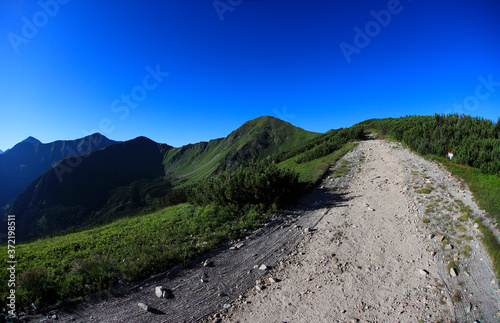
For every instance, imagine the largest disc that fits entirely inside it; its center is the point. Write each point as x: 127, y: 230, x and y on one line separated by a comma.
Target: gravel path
x: 362, y: 247
x: 375, y: 258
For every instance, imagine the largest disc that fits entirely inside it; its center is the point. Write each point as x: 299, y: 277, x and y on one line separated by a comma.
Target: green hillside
x: 230, y: 205
x: 128, y: 177
x: 255, y: 140
x: 474, y: 141
x: 256, y: 171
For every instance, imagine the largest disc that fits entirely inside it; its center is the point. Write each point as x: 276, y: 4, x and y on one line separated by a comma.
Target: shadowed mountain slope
x: 30, y: 158
x: 121, y: 179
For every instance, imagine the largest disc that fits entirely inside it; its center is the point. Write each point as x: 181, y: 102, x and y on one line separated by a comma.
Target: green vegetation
x: 233, y: 185
x: 227, y: 206
x: 486, y: 188
x: 313, y: 171
x: 466, y: 251
x: 492, y: 246
x: 457, y: 297
x: 424, y: 191
x: 136, y: 175
x: 262, y: 184
x: 473, y: 141
x: 342, y: 170
x: 53, y: 269
x: 257, y: 139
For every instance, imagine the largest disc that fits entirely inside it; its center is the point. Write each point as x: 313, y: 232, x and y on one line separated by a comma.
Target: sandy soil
x: 356, y: 249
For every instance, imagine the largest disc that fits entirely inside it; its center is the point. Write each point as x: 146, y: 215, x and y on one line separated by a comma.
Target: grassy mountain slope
x: 30, y: 158
x: 81, y: 198
x: 121, y: 179
x: 79, y: 263
x: 253, y: 141
x: 76, y: 264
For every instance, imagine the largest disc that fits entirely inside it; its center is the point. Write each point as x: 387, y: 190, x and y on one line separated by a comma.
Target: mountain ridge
x: 30, y: 158
x: 120, y: 179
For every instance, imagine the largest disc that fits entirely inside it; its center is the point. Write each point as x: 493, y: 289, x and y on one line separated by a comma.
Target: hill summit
x: 120, y: 179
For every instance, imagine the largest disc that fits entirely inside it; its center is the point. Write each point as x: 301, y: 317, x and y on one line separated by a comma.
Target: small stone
x: 476, y: 225
x: 159, y: 291
x: 207, y: 263
x: 239, y: 245
x: 306, y: 230
x: 143, y: 306
x: 439, y: 238
x: 431, y: 236
x: 259, y: 287
x: 448, y: 247
x: 263, y: 267
x: 424, y: 272
x: 453, y: 272
x: 336, y: 271
x: 272, y: 280
x: 226, y: 306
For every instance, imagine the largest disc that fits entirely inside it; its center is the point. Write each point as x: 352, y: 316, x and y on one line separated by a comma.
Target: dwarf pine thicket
x: 474, y: 141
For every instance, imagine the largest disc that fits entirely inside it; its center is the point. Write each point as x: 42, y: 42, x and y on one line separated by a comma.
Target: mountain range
x: 121, y: 178
x: 30, y: 158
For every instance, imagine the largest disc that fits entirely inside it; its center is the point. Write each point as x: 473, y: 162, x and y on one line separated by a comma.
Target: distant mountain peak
x: 32, y: 140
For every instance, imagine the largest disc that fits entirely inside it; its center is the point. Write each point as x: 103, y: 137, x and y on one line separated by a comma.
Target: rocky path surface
x: 384, y: 255
x: 372, y: 245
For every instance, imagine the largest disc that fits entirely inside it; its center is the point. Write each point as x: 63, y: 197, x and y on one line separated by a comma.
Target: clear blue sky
x: 65, y: 69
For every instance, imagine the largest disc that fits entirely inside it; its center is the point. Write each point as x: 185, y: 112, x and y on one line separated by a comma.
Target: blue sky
x: 184, y: 71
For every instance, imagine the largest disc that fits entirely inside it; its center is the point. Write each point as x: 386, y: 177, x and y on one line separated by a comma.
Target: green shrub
x: 261, y: 184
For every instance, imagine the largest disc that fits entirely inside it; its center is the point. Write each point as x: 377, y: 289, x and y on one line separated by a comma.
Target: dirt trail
x: 355, y: 249
x: 373, y: 259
